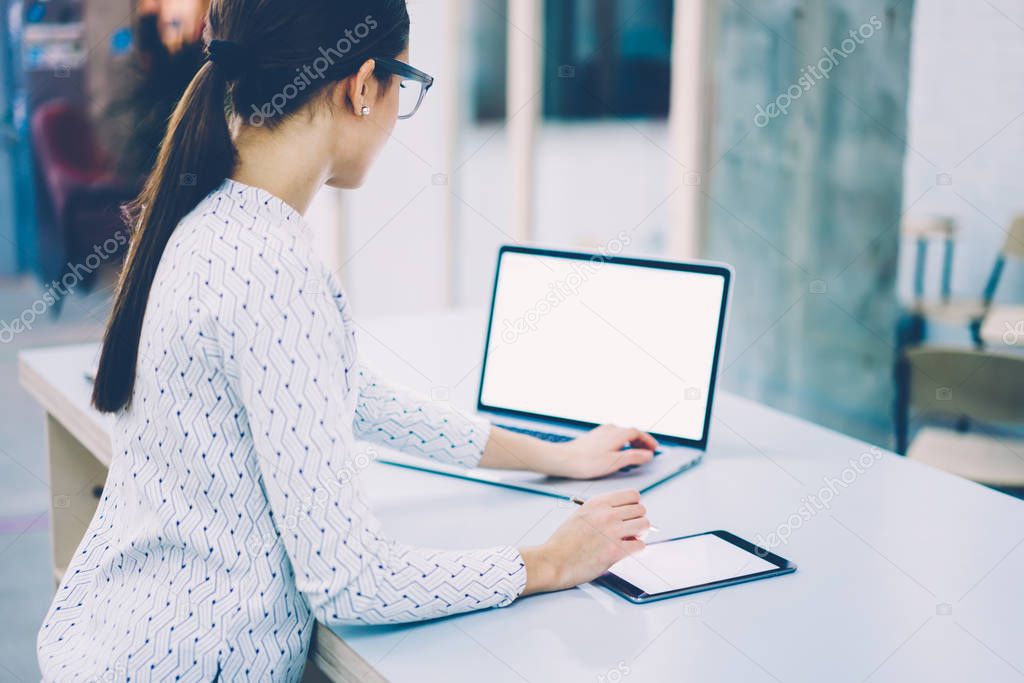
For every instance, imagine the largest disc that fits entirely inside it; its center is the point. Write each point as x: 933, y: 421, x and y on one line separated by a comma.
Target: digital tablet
x: 691, y: 564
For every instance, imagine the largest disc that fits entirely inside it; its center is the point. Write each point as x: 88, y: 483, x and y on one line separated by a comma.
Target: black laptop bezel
x: 692, y: 267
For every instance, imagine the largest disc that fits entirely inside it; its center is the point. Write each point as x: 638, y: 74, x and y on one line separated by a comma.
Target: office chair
x: 969, y: 389
x: 1000, y: 324
x: 82, y: 191
x: 925, y: 230
x: 989, y: 325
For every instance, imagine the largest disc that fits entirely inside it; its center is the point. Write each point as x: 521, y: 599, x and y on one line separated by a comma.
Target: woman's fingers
x: 631, y: 547
x: 634, y: 528
x: 634, y: 456
x: 606, y: 529
x: 638, y: 439
x: 617, y: 498
x: 631, y: 511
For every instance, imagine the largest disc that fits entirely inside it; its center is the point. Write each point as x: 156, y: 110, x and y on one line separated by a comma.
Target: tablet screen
x: 688, y: 562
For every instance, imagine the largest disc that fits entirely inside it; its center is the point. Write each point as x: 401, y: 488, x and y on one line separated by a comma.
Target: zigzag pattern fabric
x: 407, y: 422
x: 233, y: 515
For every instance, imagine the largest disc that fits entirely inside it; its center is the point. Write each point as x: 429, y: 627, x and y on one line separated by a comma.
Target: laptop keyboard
x: 546, y: 436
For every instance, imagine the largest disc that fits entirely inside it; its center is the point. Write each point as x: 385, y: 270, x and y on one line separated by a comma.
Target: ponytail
x: 196, y: 156
x: 257, y: 47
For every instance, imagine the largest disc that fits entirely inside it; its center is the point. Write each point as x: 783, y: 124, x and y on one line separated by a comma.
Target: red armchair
x: 82, y: 193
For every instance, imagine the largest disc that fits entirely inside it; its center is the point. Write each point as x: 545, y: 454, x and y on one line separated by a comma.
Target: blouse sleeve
x: 412, y: 423
x: 287, y: 356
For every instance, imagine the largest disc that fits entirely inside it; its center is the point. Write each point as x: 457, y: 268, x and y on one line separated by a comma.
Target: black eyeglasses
x: 413, y: 88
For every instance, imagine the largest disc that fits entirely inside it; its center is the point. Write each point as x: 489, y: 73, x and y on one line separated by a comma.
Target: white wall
x: 395, y: 235
x: 965, y: 119
x: 593, y: 181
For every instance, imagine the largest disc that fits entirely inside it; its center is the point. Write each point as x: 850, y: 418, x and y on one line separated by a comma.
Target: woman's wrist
x: 542, y: 574
x: 548, y: 458
x: 510, y: 450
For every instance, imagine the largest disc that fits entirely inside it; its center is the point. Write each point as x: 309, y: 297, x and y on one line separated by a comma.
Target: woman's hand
x: 599, y: 452
x: 595, y: 454
x: 604, y: 530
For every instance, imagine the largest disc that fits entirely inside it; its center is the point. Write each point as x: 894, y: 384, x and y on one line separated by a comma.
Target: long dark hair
x: 269, y: 59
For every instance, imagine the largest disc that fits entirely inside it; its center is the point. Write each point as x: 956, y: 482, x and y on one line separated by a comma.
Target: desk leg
x: 75, y: 478
x: 339, y: 662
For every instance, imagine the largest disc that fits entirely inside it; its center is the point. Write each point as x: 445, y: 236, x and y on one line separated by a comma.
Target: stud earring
x: 365, y: 111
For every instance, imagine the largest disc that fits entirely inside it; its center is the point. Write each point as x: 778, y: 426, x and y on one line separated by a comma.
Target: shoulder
x: 253, y: 266
x: 240, y: 251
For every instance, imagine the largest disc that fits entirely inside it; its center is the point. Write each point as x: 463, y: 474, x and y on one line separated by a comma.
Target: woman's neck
x: 288, y: 162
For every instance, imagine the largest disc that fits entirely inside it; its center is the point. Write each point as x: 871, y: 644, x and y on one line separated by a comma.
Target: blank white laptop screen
x: 599, y: 342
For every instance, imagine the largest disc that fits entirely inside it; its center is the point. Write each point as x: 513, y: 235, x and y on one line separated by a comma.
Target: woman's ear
x: 360, y: 89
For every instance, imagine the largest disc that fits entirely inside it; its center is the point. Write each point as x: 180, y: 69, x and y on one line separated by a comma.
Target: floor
x: 25, y: 580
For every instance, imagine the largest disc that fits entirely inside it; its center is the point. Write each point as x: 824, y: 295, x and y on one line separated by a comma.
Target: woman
x: 168, y: 52
x: 231, y: 519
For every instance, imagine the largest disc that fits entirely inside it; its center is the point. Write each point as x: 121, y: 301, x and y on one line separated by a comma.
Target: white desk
x: 909, y: 574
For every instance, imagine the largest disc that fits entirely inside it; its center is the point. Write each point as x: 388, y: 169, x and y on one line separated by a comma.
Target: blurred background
x: 859, y: 162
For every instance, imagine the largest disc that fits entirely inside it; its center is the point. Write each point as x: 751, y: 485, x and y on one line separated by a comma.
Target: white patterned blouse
x: 233, y: 515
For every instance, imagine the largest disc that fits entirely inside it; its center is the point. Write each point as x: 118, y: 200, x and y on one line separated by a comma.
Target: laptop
x: 577, y: 339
